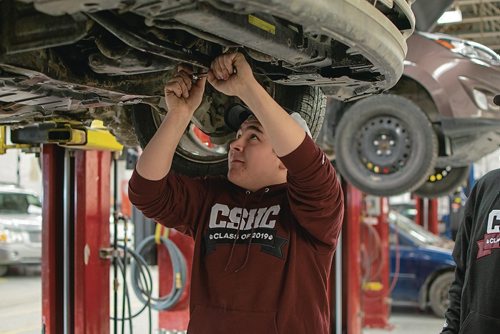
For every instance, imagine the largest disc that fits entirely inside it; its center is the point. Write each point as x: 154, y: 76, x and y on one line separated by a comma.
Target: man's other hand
x: 231, y: 74
x: 181, y: 93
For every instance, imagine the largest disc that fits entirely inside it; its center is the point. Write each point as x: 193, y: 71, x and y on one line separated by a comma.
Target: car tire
x: 3, y: 270
x: 455, y: 177
x: 438, y: 293
x: 145, y: 121
x: 310, y: 102
x: 385, y: 145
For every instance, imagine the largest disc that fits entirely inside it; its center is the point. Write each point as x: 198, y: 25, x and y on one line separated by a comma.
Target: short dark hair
x: 235, y: 115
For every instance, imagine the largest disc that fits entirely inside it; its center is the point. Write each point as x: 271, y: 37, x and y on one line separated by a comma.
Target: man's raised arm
x: 182, y: 97
x: 231, y: 74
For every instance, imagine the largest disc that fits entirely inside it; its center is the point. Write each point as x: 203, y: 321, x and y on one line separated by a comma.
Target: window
x: 17, y: 203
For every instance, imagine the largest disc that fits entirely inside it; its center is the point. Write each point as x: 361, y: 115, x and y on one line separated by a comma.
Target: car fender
x: 433, y: 88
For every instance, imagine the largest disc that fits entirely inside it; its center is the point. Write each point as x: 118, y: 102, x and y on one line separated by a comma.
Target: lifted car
x: 425, y: 132
x: 75, y: 61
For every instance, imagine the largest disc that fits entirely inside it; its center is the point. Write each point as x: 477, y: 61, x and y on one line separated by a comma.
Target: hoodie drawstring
x: 237, y: 233
x: 247, y: 253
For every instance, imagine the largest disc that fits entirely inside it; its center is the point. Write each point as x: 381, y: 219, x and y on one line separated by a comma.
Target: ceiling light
x: 450, y: 16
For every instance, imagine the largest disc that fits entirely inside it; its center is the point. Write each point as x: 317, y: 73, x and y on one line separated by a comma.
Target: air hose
x: 179, y: 275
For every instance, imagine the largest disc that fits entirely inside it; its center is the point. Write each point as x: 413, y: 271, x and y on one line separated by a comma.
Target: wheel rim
x: 384, y: 145
x: 199, y: 148
x: 439, y: 175
x: 443, y: 299
x: 443, y: 181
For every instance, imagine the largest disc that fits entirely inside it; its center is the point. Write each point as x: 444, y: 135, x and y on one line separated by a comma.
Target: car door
x: 404, y: 252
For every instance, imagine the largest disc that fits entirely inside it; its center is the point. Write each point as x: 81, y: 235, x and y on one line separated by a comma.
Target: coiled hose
x: 147, y: 280
x: 179, y: 271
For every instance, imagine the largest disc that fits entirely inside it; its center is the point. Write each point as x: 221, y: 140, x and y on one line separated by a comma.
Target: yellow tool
x: 161, y: 232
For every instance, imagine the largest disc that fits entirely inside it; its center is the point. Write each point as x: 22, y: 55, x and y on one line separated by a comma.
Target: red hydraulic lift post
x: 351, y: 261
x: 427, y: 214
x: 376, y: 306
x: 433, y: 216
x: 176, y: 318
x: 77, y: 269
x: 92, y: 211
x: 52, y: 239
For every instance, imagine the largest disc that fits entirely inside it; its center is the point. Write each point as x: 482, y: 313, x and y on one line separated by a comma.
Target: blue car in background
x: 422, y: 264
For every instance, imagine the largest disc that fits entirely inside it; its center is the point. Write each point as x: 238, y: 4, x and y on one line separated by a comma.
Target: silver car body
x: 20, y: 227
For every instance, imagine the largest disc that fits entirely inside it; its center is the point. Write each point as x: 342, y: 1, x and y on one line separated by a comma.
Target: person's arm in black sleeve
x: 452, y: 315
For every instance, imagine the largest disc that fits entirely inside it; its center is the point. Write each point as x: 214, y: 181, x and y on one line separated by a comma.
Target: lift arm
x: 3, y: 142
x: 75, y: 136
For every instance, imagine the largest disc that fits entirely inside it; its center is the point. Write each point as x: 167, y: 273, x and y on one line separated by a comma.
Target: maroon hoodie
x: 262, y: 259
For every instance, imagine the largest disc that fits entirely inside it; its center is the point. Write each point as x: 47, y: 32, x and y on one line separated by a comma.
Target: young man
x: 266, y: 234
x: 475, y: 293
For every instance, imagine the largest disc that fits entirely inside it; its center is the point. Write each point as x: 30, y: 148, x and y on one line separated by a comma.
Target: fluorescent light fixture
x: 450, y: 16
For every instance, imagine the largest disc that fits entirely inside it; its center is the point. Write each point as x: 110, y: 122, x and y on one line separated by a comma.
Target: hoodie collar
x: 268, y: 189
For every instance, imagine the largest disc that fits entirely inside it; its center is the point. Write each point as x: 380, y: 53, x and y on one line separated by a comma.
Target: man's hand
x: 231, y: 74
x: 181, y: 94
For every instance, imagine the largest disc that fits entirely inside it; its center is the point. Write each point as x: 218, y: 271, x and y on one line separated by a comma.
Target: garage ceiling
x: 480, y: 22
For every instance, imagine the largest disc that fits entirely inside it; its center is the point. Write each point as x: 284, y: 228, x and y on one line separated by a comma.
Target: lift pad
x: 75, y: 136
x: 3, y: 142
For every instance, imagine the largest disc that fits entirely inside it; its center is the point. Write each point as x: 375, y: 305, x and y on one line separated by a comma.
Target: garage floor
x: 20, y: 310
x: 410, y: 321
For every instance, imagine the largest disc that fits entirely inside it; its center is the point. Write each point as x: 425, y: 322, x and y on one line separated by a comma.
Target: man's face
x: 252, y: 161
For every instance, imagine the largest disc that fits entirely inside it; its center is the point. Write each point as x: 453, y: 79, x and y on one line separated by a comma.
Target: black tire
x: 385, y: 145
x: 333, y: 113
x: 3, y: 270
x: 443, y: 181
x: 310, y: 102
x: 438, y: 293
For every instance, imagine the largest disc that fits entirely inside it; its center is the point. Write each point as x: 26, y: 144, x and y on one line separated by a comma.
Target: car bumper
x: 480, y: 91
x: 20, y: 254
x: 470, y: 88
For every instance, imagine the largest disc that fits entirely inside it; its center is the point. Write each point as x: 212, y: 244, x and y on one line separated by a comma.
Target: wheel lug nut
x: 391, y: 142
x: 375, y: 142
x: 379, y: 152
x: 388, y: 152
x: 383, y: 137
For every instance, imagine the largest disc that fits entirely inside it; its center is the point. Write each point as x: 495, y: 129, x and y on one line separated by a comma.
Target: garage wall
x: 486, y: 164
x: 14, y: 162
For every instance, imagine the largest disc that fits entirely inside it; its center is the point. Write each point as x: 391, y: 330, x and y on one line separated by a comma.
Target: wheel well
x: 424, y: 290
x: 412, y: 90
x: 418, y: 94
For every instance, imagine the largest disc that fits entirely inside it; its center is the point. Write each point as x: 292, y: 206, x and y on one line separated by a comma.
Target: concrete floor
x: 20, y: 303
x: 410, y: 321
x: 20, y: 310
